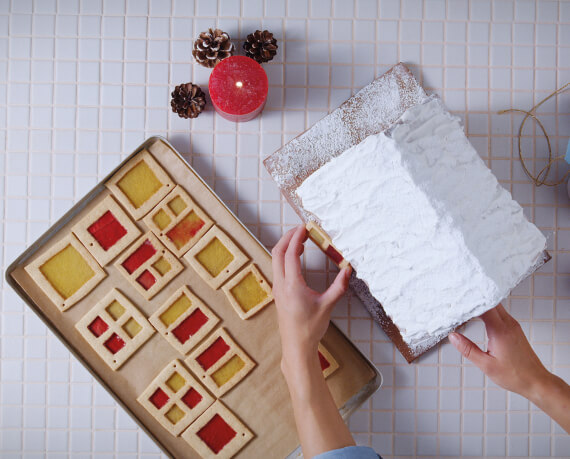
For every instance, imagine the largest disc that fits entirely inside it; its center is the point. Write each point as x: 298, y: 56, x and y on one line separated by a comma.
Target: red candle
x: 238, y: 88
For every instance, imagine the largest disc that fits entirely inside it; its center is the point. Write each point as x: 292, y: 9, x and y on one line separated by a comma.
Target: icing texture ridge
x: 425, y: 223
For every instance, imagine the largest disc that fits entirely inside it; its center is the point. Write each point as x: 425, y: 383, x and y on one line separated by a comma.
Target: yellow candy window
x: 162, y: 266
x: 139, y: 184
x: 177, y: 308
x: 132, y: 327
x: 67, y: 271
x: 115, y: 310
x: 227, y: 371
x: 161, y: 219
x: 248, y: 292
x: 176, y: 382
x: 174, y: 414
x: 315, y: 236
x: 177, y: 205
x: 215, y: 257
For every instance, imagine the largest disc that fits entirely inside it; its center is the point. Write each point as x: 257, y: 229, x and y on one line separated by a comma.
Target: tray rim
x: 346, y: 410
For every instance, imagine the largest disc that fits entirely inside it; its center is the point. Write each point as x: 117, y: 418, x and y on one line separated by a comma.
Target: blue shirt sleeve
x: 350, y: 452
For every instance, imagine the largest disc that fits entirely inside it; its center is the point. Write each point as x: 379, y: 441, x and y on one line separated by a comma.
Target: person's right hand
x: 512, y: 364
x: 510, y: 360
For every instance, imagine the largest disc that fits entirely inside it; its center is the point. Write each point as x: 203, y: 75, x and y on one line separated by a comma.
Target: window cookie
x: 148, y: 265
x: 217, y: 432
x: 220, y: 363
x: 248, y: 292
x: 115, y: 329
x: 174, y: 398
x: 215, y: 257
x: 328, y: 363
x: 178, y: 221
x: 184, y: 320
x: 106, y: 231
x: 140, y: 184
x: 318, y: 236
x: 66, y: 272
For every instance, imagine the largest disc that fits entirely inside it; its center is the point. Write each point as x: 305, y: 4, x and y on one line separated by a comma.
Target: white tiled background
x: 83, y: 83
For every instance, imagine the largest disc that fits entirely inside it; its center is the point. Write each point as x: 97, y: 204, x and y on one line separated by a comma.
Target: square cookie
x: 323, y: 242
x: 248, y: 292
x: 328, y: 363
x: 215, y: 257
x: 184, y: 320
x: 218, y: 432
x: 174, y: 398
x: 220, y: 363
x: 140, y: 184
x: 115, y: 329
x: 178, y: 221
x: 66, y: 272
x: 148, y: 265
x: 106, y: 231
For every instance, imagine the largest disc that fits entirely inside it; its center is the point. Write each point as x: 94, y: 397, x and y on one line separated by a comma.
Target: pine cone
x: 188, y: 100
x: 260, y: 46
x: 211, y: 47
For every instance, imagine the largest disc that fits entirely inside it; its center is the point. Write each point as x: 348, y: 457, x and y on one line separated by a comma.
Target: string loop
x: 542, y: 177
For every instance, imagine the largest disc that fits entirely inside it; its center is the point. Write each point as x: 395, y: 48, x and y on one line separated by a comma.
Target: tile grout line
x: 416, y: 371
x: 467, y: 120
x: 490, y: 164
x: 533, y: 217
x: 490, y: 158
x: 47, y: 341
x: 555, y: 242
x: 371, y: 401
x: 440, y: 350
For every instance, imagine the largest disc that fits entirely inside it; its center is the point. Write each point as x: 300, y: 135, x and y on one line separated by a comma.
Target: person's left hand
x: 303, y: 313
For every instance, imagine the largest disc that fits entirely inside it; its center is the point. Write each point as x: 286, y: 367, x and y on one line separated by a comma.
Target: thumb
x: 470, y: 351
x: 338, y: 288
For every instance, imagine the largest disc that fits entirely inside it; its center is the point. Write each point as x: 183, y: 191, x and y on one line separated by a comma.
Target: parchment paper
x: 261, y: 400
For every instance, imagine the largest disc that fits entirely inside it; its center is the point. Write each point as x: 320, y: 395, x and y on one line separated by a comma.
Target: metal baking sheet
x: 261, y: 400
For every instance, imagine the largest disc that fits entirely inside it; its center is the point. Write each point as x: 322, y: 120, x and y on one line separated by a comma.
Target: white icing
x: 371, y: 110
x: 424, y: 223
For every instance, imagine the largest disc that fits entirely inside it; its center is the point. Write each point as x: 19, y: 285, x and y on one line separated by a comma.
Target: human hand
x: 509, y: 361
x: 304, y: 317
x: 303, y: 313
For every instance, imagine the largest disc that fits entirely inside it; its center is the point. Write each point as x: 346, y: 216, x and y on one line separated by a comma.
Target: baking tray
x: 265, y: 409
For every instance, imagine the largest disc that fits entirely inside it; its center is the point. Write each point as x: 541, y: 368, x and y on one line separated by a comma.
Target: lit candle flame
x: 239, y: 84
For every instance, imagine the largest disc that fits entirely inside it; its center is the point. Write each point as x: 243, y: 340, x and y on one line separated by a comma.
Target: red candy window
x: 146, y: 279
x: 159, y: 398
x: 107, y: 230
x: 98, y: 327
x: 214, y: 353
x: 216, y: 434
x: 139, y: 256
x: 192, y: 398
x: 334, y: 255
x: 190, y: 326
x: 324, y: 362
x: 115, y: 343
x: 185, y: 230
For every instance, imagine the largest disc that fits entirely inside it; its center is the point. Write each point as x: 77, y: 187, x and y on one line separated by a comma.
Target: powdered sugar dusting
x: 370, y: 111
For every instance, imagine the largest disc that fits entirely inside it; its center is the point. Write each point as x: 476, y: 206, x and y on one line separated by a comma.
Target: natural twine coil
x: 542, y: 177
